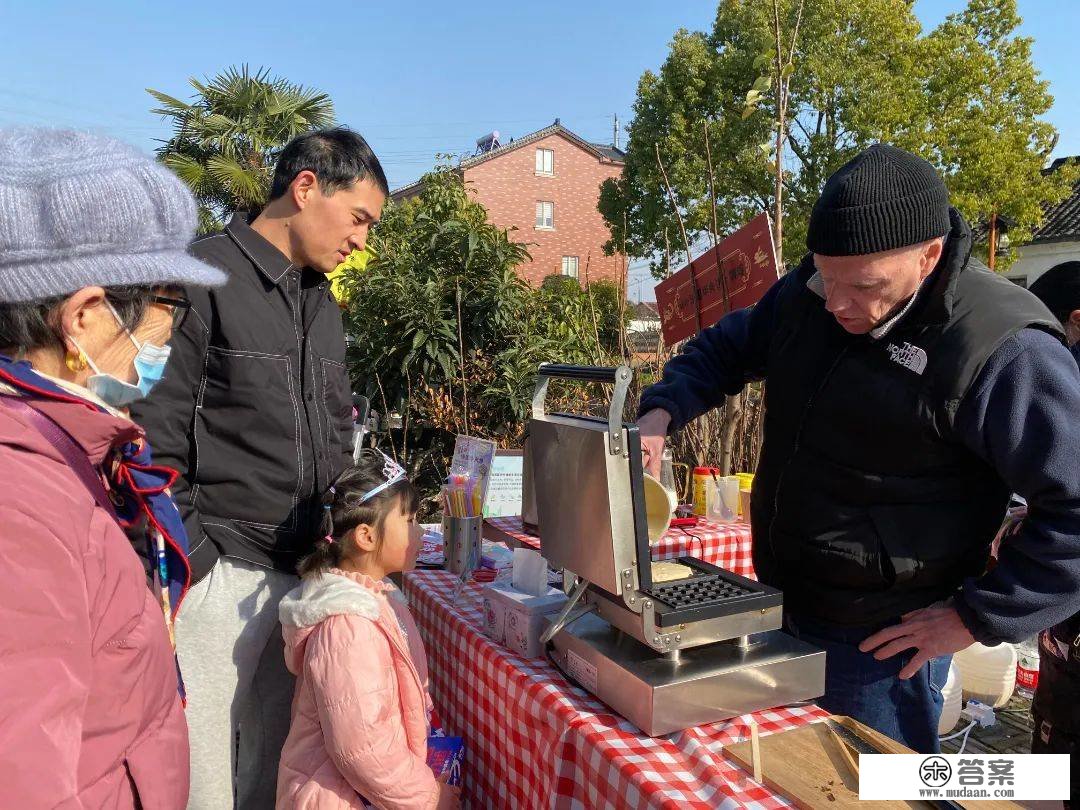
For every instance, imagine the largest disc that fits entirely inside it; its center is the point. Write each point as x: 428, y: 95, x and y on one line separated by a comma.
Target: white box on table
x: 516, y: 619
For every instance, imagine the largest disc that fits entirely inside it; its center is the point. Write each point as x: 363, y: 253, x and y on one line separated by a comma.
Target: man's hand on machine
x: 933, y: 631
x: 653, y: 429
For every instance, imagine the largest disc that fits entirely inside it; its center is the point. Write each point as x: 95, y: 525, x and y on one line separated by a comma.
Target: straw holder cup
x: 461, y: 543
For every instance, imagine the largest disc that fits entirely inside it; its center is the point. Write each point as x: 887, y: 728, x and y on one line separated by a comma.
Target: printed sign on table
x: 743, y: 265
x: 504, y: 489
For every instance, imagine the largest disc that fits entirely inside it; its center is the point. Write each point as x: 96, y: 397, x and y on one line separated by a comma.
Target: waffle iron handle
x: 620, y: 376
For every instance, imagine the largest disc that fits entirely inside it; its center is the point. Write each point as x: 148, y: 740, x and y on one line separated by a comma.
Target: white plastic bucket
x: 987, y: 674
x: 953, y: 694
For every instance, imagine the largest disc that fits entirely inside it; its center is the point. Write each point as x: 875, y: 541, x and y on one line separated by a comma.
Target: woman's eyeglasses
x: 180, y: 308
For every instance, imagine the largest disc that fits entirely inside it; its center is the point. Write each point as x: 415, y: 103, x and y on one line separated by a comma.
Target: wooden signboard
x: 730, y: 276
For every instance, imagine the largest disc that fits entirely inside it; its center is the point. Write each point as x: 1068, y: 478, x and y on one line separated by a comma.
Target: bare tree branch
x: 778, y: 188
x: 592, y: 309
x: 623, y: 291
x: 386, y: 413
x: 712, y: 182
x: 796, y: 147
x: 795, y: 33
x: 671, y: 197
x: 461, y: 350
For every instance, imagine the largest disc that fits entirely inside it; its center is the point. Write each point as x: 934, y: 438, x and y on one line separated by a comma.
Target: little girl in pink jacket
x: 360, y: 713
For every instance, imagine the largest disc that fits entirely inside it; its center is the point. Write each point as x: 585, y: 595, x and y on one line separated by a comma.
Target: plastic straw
x: 463, y: 496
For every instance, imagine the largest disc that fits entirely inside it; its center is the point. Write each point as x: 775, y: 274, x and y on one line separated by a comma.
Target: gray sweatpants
x: 239, y: 693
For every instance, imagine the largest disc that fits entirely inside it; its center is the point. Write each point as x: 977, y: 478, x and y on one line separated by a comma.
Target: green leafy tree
x: 966, y: 96
x: 985, y: 105
x: 355, y: 262
x: 440, y: 289
x: 226, y: 139
x: 443, y: 331
x: 585, y: 320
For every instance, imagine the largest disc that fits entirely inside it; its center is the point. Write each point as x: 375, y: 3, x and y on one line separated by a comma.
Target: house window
x: 545, y: 161
x: 545, y: 215
x: 570, y: 266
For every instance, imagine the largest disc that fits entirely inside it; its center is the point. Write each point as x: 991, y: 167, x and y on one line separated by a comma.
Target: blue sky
x: 415, y: 77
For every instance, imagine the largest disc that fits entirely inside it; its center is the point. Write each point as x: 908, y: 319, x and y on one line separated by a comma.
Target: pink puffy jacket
x: 89, y: 713
x: 360, y: 712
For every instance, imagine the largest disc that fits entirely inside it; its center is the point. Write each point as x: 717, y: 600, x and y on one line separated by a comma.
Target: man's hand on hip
x: 931, y: 632
x: 653, y: 427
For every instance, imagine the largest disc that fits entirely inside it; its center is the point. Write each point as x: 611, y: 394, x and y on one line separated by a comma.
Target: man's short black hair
x: 339, y: 157
x: 1059, y: 289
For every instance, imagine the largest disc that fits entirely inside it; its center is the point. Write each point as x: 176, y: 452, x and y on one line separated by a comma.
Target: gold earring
x: 75, y: 362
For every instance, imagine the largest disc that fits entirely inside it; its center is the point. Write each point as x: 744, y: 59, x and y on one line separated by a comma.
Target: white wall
x: 1034, y: 260
x: 650, y: 325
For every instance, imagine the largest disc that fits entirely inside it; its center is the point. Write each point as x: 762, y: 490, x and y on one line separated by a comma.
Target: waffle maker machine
x: 665, y: 655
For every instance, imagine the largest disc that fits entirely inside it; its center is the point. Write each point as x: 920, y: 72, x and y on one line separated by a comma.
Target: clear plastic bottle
x: 1027, y: 667
x: 667, y: 471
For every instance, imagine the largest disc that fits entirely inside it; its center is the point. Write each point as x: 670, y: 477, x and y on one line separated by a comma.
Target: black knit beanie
x: 1059, y: 289
x: 883, y: 198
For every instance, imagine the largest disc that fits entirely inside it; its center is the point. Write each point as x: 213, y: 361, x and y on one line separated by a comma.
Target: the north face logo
x: 911, y: 357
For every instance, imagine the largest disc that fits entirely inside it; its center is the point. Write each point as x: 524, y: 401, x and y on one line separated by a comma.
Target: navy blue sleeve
x: 716, y: 363
x: 1022, y: 417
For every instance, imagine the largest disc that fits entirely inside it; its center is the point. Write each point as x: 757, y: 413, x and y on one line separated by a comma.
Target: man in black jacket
x: 909, y: 391
x: 255, y: 414
x: 1056, y: 707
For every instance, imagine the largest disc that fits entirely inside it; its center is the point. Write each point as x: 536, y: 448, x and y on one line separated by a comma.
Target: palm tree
x: 226, y: 140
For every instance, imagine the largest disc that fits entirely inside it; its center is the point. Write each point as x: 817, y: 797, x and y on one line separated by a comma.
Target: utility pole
x: 615, y: 132
x: 993, y: 241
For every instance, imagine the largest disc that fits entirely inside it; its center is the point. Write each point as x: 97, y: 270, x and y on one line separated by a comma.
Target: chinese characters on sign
x: 504, y: 491
x: 733, y: 275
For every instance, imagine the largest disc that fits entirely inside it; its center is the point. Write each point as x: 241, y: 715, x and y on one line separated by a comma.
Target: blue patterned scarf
x: 138, y: 490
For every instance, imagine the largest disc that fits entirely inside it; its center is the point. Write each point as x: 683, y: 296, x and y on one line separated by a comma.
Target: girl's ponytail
x: 328, y: 552
x: 360, y: 495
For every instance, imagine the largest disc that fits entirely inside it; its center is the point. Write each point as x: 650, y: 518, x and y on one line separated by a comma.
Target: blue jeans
x: 859, y: 686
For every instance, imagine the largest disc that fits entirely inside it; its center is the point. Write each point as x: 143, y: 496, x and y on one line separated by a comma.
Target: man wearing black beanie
x: 1056, y: 706
x: 909, y: 391
x: 1059, y: 289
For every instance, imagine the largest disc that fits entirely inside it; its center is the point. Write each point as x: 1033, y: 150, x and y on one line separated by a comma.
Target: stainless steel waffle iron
x: 666, y: 655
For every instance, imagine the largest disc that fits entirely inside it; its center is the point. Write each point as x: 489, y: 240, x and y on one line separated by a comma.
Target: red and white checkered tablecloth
x: 535, y: 741
x: 727, y: 545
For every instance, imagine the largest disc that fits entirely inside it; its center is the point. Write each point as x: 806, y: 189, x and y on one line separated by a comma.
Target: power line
x: 373, y: 127
x: 73, y: 105
x: 499, y: 120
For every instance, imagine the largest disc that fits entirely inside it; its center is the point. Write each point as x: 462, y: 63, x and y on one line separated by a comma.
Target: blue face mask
x: 149, y: 365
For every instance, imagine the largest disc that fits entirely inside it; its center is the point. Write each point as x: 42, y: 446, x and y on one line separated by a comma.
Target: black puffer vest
x: 866, y: 505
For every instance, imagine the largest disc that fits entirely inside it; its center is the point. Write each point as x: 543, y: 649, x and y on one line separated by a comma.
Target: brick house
x: 547, y: 185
